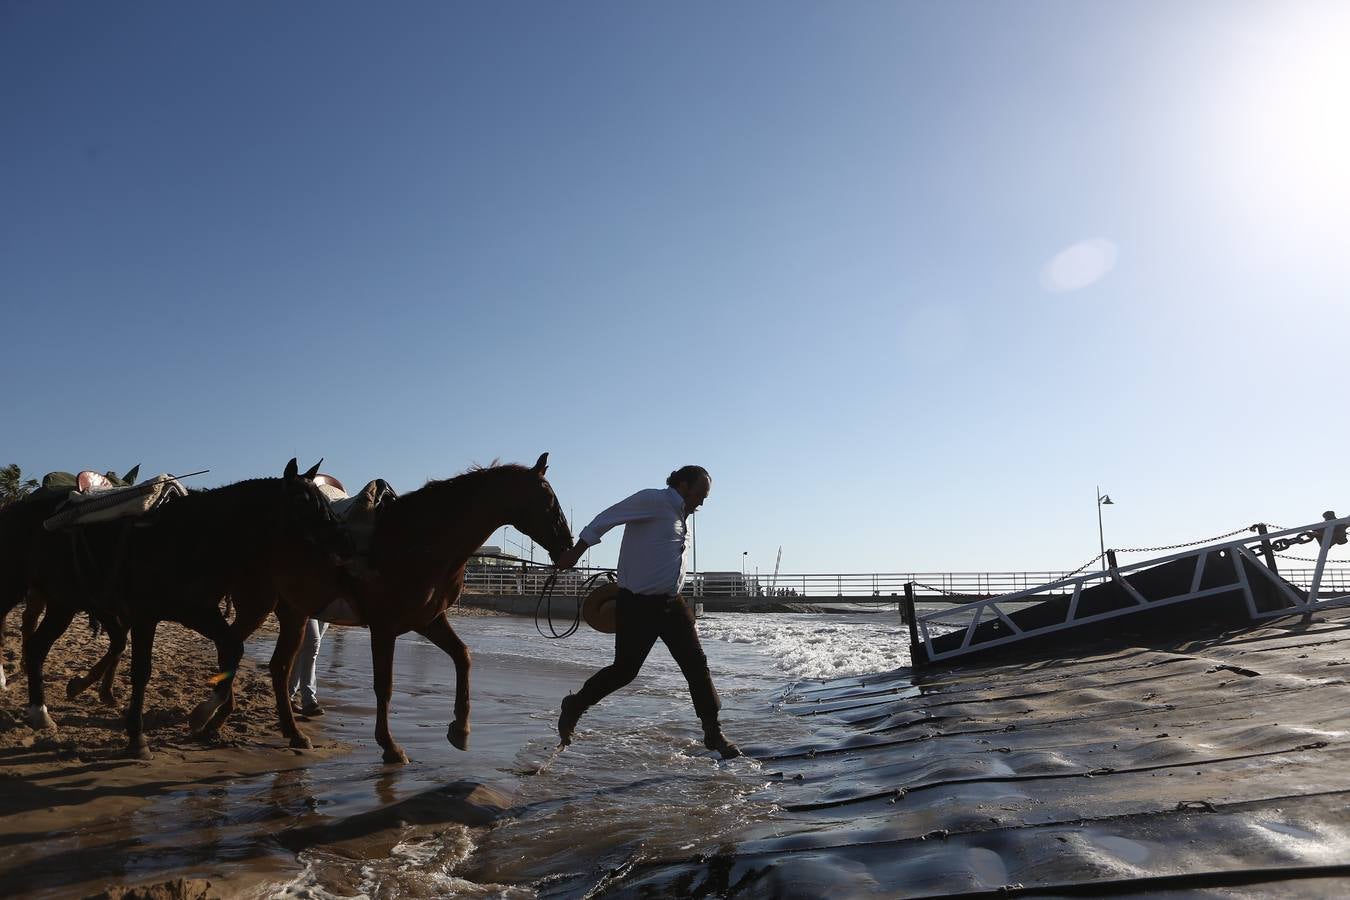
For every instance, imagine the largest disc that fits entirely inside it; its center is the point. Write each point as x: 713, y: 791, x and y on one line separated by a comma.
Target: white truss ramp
x: 1223, y: 584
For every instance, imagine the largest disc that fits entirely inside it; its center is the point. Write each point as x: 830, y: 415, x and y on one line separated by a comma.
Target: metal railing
x: 878, y: 587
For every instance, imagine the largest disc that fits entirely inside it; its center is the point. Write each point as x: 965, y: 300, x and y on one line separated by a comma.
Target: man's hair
x: 687, y: 474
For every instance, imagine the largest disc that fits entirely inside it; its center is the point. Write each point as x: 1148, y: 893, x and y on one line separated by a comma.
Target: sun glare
x: 1284, y: 142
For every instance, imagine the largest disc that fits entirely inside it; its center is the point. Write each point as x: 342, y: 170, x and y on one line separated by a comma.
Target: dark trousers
x: 640, y: 620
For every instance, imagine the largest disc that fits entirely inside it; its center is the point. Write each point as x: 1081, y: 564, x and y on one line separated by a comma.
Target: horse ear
x: 314, y: 470
x: 292, y: 469
x: 130, y: 477
x: 541, y: 466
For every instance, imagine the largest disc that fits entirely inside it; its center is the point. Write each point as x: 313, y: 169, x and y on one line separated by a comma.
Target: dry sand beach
x: 1208, y: 763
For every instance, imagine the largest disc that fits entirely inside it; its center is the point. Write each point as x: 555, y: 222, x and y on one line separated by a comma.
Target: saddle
x: 91, y: 497
x: 359, y: 513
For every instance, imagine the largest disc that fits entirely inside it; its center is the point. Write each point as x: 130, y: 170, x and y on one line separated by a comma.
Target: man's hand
x: 568, y: 559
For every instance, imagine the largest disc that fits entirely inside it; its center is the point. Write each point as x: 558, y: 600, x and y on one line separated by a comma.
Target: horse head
x: 307, y: 515
x: 537, y: 513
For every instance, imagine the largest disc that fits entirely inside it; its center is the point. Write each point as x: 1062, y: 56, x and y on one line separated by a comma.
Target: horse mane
x: 454, y: 492
x: 249, y: 489
x: 456, y: 487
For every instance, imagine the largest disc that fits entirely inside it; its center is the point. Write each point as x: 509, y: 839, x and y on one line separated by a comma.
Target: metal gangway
x: 932, y: 634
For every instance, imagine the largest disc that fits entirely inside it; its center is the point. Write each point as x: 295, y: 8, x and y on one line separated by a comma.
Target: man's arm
x: 631, y: 509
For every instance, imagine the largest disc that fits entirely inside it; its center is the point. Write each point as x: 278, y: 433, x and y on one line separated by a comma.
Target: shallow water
x: 636, y: 782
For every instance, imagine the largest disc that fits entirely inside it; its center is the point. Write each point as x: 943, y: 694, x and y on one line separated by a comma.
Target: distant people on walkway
x: 304, y: 674
x: 649, y: 605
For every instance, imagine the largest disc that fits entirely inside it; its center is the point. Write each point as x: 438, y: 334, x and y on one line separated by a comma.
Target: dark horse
x: 419, y: 548
x: 21, y: 524
x: 177, y: 564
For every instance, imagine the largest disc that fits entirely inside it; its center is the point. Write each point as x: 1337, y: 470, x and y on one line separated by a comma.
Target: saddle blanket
x: 98, y: 499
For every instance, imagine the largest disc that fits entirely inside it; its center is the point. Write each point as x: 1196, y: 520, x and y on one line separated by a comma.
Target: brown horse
x: 420, y: 546
x: 177, y: 564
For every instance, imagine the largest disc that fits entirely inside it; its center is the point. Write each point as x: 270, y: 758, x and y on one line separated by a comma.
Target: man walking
x: 649, y: 605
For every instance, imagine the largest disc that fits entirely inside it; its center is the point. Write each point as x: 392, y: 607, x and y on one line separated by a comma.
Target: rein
x: 546, y: 603
x: 544, y: 607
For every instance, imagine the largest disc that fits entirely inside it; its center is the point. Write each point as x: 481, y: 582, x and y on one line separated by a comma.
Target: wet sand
x: 1212, y: 763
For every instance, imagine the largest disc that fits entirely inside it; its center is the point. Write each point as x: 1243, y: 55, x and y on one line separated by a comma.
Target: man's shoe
x: 567, y: 719
x: 312, y: 710
x: 718, y: 741
x: 295, y: 707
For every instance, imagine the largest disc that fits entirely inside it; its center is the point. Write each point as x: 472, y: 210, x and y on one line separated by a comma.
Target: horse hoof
x: 396, y: 756
x: 75, y: 687
x: 107, y: 698
x: 138, y: 750
x: 39, y: 720
x: 458, y: 735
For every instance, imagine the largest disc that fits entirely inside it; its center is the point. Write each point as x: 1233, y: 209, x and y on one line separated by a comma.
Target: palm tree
x: 13, y: 486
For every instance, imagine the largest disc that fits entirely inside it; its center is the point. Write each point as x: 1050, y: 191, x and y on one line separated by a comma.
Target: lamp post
x: 744, y: 554
x: 1102, y: 500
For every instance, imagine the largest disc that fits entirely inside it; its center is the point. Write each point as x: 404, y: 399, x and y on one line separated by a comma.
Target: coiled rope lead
x: 545, y: 603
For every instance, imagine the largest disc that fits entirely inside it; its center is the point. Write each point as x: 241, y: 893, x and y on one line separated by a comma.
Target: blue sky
x: 810, y: 246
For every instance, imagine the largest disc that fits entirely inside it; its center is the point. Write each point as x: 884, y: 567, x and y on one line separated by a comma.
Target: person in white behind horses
x: 304, y: 673
x: 304, y: 684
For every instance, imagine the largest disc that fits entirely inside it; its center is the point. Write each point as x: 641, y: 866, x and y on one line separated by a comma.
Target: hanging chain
x: 1082, y: 567
x: 1191, y: 543
x: 943, y: 591
x: 1313, y: 559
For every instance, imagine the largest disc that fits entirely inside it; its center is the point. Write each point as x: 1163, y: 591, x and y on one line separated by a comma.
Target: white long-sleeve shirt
x: 651, y: 557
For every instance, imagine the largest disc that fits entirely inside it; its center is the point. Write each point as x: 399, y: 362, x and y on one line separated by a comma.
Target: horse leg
x: 6, y: 606
x: 142, y: 649
x: 35, y: 650
x: 4, y: 614
x: 382, y: 660
x: 117, y: 644
x: 283, y: 657
x: 32, y: 611
x: 210, y: 624
x: 246, y: 621
x: 15, y: 590
x: 439, y: 632
x: 105, y: 668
